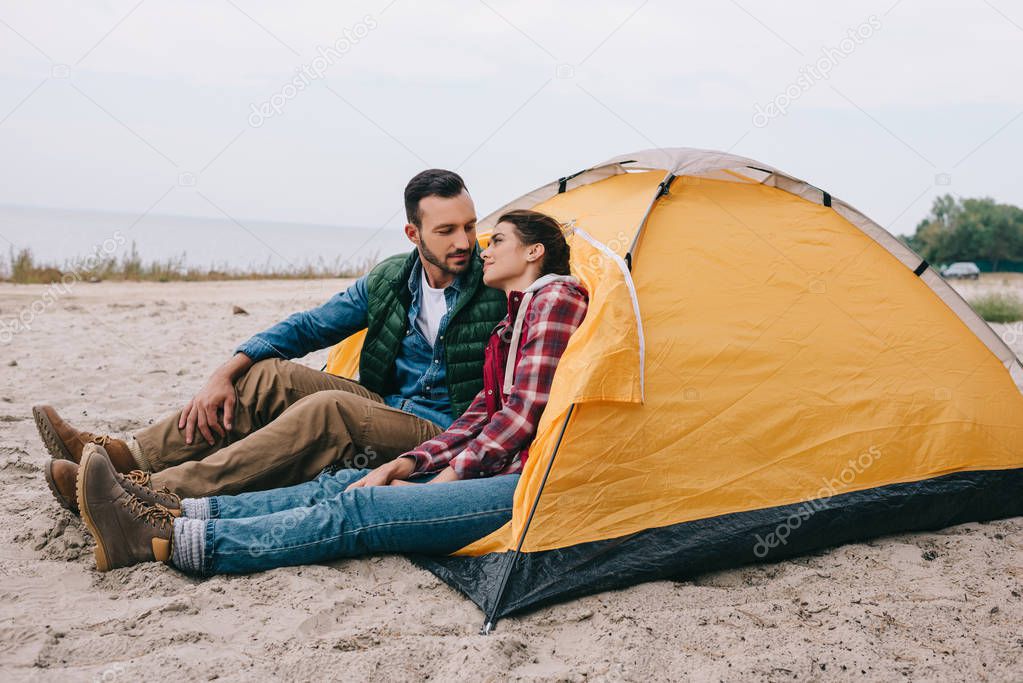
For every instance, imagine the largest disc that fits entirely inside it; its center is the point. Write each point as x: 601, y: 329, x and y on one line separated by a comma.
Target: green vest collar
x: 407, y: 280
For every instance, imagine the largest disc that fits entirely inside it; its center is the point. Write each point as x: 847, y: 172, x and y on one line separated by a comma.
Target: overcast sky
x: 147, y: 106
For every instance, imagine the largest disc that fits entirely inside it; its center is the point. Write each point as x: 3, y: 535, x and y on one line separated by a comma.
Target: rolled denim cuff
x: 207, y: 554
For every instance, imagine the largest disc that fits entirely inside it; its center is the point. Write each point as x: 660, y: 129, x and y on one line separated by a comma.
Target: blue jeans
x: 317, y: 521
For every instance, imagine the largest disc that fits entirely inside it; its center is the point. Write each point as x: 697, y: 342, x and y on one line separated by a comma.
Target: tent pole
x: 662, y: 189
x: 509, y: 560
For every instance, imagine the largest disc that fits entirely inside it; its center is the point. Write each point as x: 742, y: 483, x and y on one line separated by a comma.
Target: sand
x: 110, y: 356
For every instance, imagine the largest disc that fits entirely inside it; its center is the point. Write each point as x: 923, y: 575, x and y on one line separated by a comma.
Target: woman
x: 435, y: 499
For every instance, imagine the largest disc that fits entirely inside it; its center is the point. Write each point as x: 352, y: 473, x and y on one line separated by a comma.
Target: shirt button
x: 490, y: 392
x: 427, y: 388
x: 436, y: 361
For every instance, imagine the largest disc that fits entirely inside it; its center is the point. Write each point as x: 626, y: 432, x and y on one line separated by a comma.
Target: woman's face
x: 505, y: 259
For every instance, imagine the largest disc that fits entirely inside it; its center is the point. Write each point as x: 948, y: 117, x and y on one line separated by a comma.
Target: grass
x: 21, y: 267
x: 999, y: 307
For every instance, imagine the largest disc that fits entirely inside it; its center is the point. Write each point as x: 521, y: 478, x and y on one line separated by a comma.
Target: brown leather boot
x: 61, y: 476
x: 65, y: 442
x: 127, y: 530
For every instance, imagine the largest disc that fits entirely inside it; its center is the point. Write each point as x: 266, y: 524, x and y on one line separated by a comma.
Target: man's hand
x: 388, y: 473
x: 216, y: 395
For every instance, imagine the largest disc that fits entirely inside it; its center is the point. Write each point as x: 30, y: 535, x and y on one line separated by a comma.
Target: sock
x: 136, y: 453
x: 189, y: 544
x: 195, y: 508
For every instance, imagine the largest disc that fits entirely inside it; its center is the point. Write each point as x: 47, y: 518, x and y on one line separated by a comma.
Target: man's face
x: 447, y: 232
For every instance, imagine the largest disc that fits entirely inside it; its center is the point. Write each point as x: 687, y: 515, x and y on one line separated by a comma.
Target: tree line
x: 970, y: 230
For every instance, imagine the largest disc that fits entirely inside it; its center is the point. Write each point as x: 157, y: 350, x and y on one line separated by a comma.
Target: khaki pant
x: 290, y: 422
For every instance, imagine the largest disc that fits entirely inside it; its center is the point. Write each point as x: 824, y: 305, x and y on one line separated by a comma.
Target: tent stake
x: 509, y: 561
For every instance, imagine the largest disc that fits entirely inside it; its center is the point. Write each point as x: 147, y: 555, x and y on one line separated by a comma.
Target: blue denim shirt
x: 420, y: 369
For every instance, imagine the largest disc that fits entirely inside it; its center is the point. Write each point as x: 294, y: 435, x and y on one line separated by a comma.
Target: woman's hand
x: 397, y: 469
x: 446, y: 474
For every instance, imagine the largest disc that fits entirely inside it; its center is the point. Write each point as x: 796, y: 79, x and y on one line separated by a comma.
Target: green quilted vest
x: 474, y: 316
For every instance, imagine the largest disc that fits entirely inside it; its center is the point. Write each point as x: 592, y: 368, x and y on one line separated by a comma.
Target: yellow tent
x: 763, y: 371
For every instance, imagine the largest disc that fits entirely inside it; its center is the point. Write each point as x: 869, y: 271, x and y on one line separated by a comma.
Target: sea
x: 61, y: 237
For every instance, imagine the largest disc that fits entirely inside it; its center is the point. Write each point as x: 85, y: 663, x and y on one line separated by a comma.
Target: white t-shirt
x: 432, y: 307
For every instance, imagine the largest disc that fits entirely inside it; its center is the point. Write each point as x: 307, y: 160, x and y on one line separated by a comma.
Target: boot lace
x: 154, y: 515
x: 138, y: 477
x: 144, y: 480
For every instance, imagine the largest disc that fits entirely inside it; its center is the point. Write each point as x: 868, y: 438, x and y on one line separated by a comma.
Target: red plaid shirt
x: 485, y: 442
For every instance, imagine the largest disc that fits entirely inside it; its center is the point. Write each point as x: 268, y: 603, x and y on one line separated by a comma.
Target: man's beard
x: 441, y: 263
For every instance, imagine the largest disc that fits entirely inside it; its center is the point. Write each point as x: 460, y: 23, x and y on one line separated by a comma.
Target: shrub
x: 999, y: 307
x: 22, y: 267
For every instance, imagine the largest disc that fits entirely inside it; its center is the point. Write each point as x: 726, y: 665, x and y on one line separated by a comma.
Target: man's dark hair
x: 434, y: 182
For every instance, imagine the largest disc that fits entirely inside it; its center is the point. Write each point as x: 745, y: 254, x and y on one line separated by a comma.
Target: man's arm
x: 300, y: 333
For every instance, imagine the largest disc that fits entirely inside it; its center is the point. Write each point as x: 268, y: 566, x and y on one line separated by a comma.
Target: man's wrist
x: 235, y: 366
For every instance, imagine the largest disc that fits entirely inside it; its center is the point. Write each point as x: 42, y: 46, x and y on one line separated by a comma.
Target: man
x: 261, y: 421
